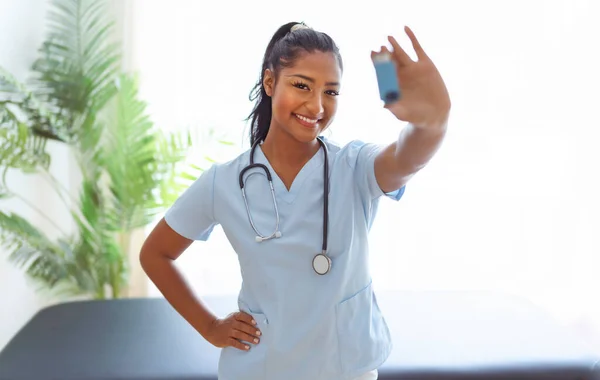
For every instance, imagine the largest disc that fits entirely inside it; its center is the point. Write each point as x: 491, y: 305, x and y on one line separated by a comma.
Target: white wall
x: 509, y: 204
x: 21, y: 33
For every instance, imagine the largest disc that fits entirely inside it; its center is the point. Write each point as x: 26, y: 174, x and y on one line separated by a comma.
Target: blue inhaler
x: 387, y: 80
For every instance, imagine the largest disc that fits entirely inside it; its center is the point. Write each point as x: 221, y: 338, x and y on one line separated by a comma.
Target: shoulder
x: 216, y: 175
x: 221, y: 177
x: 353, y: 151
x: 223, y: 169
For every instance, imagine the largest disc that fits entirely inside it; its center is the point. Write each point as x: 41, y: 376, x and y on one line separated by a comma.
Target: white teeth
x: 304, y: 118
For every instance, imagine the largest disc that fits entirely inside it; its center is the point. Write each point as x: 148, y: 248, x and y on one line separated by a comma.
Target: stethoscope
x: 321, y: 262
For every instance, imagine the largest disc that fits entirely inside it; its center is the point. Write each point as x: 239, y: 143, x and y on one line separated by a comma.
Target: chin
x: 307, y: 136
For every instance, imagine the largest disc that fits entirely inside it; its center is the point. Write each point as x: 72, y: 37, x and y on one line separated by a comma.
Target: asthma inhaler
x: 387, y: 80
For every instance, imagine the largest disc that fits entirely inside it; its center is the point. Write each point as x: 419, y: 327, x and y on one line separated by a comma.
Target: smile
x: 308, y: 122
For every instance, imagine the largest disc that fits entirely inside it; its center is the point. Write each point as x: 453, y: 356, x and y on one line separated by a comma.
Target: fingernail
x: 255, y: 340
x: 258, y: 333
x: 253, y: 322
x: 247, y: 347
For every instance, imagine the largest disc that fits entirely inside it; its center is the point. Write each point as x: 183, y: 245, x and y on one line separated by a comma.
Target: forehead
x: 318, y: 65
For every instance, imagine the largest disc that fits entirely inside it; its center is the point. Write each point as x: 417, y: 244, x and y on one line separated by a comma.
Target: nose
x: 315, y: 105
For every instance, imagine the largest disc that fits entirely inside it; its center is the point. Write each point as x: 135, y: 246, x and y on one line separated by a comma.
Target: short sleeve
x: 361, y: 157
x: 192, y: 214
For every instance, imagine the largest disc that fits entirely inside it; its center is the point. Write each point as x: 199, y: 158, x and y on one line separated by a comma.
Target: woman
x: 306, y: 306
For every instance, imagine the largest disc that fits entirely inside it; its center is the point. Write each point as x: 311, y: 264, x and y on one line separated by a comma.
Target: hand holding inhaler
x: 413, y: 91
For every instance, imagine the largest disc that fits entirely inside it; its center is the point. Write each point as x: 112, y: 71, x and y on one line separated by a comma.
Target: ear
x: 269, y: 82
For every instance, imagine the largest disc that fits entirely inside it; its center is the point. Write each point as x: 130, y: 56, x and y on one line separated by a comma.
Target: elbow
x: 151, y: 258
x: 147, y: 257
x: 143, y: 258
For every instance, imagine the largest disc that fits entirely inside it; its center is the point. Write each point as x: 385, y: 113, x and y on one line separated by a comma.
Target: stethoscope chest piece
x: 321, y: 263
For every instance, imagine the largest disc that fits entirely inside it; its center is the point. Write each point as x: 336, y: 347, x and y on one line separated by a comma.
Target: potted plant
x: 131, y: 171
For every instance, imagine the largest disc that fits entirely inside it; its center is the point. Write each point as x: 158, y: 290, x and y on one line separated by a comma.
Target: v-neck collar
x: 281, y: 191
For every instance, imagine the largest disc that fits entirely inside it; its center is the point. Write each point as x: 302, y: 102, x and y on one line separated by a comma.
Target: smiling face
x: 304, y: 96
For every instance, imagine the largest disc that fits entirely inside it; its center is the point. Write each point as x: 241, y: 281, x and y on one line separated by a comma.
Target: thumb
x: 398, y: 109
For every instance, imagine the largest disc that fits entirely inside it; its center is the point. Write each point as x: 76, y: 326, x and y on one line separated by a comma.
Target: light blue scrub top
x: 318, y: 327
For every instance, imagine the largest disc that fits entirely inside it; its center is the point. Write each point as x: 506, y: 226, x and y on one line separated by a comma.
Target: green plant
x: 131, y: 171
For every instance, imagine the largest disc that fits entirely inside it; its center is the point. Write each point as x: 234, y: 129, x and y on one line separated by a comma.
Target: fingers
x: 232, y: 342
x: 415, y: 43
x: 244, y: 333
x: 402, y: 57
x: 243, y: 329
x: 244, y: 317
x: 247, y: 329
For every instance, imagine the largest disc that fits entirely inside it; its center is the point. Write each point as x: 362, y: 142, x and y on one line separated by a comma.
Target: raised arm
x: 425, y: 105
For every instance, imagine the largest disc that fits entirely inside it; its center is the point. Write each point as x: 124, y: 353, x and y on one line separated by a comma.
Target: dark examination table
x: 437, y: 335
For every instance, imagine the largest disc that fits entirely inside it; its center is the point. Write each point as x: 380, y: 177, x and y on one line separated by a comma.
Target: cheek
x: 331, y: 108
x: 284, y: 104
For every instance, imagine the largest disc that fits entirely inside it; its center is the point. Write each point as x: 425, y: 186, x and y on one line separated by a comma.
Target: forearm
x: 417, y: 145
x: 171, y: 283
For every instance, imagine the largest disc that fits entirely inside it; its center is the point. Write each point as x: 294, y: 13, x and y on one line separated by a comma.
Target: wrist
x: 206, y: 324
x: 436, y: 124
x: 432, y: 126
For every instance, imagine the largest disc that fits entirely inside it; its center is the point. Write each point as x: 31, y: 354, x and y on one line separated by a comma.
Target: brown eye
x: 301, y: 86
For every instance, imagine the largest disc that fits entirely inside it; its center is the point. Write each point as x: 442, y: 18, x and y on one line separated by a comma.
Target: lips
x: 307, y: 121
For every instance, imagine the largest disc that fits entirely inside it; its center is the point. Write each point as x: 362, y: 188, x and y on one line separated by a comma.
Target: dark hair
x: 283, y: 49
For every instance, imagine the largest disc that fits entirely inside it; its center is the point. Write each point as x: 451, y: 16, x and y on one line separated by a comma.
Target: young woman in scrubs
x: 307, y: 309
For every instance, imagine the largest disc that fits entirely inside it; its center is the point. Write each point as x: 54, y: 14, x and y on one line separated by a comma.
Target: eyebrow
x: 309, y: 79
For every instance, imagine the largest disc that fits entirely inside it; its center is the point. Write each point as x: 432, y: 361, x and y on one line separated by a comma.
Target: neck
x: 281, y: 149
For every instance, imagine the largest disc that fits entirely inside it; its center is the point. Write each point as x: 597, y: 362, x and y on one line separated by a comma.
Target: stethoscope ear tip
x: 278, y: 234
